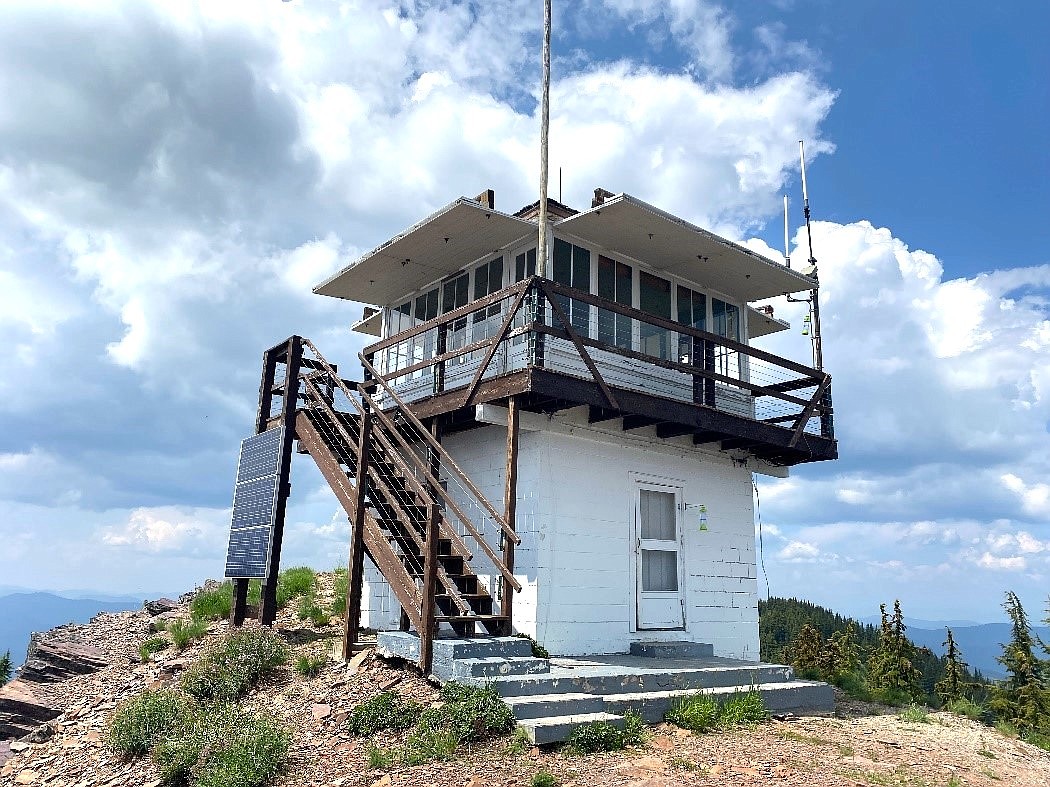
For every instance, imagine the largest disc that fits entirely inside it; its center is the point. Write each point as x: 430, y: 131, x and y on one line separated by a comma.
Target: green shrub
x: 295, y: 582
x: 386, y: 711
x: 223, y: 746
x: 140, y: 722
x: 378, y: 757
x: 233, y: 666
x: 340, y: 592
x: 310, y: 610
x: 538, y: 651
x: 427, y: 745
x: 703, y: 713
x: 966, y: 707
x: 698, y: 713
x: 519, y: 742
x: 915, y: 714
x: 543, y: 779
x: 471, y: 712
x: 213, y: 604
x: 151, y: 646
x: 889, y: 695
x: 309, y: 665
x: 158, y: 624
x: 594, y: 737
x: 183, y: 632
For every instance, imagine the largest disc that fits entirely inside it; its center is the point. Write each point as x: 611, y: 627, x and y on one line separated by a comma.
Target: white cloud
x: 990, y: 561
x: 799, y: 552
x: 167, y: 530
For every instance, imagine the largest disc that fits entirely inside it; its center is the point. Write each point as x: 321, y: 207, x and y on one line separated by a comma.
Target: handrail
x: 436, y: 446
x: 441, y: 452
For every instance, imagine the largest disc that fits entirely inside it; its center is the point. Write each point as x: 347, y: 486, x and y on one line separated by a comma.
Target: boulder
x: 50, y: 661
x: 22, y: 710
x: 160, y: 606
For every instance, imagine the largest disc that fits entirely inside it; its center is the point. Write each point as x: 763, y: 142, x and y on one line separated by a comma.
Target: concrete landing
x: 551, y: 698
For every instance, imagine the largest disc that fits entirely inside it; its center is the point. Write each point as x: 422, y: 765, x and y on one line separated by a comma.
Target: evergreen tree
x: 805, y: 652
x: 1023, y: 699
x: 891, y: 666
x: 6, y: 668
x: 950, y: 687
x: 846, y: 644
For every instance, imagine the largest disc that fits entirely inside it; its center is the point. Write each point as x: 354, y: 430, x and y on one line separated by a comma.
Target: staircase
x: 415, y: 514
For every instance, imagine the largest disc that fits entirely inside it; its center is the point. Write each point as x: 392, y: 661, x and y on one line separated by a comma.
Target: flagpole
x: 545, y: 119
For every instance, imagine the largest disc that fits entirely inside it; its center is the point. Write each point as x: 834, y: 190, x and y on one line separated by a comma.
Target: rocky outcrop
x: 51, y: 661
x: 22, y: 710
x: 160, y: 606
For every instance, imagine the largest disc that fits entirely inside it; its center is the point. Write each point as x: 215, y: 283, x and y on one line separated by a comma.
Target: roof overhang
x: 460, y: 233
x: 762, y: 324
x: 626, y: 225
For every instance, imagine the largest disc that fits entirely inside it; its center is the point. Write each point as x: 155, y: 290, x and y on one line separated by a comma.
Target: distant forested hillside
x: 23, y: 613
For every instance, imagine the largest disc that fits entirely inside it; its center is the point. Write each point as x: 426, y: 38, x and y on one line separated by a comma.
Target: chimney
x: 600, y: 195
x: 487, y: 198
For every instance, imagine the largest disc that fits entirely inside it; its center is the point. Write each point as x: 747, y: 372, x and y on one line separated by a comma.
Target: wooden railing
x: 539, y: 323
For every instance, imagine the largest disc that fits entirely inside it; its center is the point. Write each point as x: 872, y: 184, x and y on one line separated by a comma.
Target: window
x: 692, y: 311
x: 488, y: 278
x: 427, y: 306
x: 654, y: 297
x: 726, y: 322
x: 615, y: 283
x: 525, y: 265
x: 572, y: 267
x: 454, y: 295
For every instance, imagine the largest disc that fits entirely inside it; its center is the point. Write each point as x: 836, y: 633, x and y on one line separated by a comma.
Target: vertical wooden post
x: 293, y: 356
x: 430, y: 566
x: 442, y: 347
x: 240, y: 602
x: 709, y: 366
x: 510, y: 506
x: 355, y: 571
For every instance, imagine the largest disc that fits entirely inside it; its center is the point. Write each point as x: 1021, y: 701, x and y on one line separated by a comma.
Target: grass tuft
x: 386, y: 711
x: 340, y: 591
x: 183, y: 632
x: 309, y: 665
x: 151, y: 646
x: 233, y: 666
x: 213, y: 604
x: 914, y: 714
x: 603, y: 736
x: 702, y: 713
x: 140, y: 722
x: 543, y: 779
x: 519, y: 742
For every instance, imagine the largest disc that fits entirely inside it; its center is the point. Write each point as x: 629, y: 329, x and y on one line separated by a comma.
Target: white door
x: 658, y: 546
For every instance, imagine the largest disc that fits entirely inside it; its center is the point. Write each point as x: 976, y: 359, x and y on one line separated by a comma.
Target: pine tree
x: 891, y: 666
x: 6, y: 668
x: 1023, y: 699
x: 950, y: 687
x: 805, y: 652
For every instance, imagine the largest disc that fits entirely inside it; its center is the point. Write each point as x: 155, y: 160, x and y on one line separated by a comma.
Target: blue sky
x: 168, y: 199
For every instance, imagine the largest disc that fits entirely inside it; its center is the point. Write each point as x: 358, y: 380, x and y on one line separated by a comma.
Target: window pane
x: 659, y: 570
x: 657, y: 513
x: 606, y: 278
x: 525, y: 265
x: 562, y: 262
x: 654, y: 295
x: 581, y: 268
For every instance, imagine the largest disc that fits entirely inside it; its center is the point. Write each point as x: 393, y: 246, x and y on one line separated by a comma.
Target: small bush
x: 890, y: 696
x: 151, y: 646
x: 914, y: 714
x: 310, y: 610
x: 140, y: 722
x: 183, y: 632
x: 427, y: 745
x: 471, y: 712
x: 594, y: 737
x: 233, y: 666
x: 295, y: 582
x: 538, y: 651
x: 224, y: 746
x: 213, y: 604
x: 386, y: 711
x: 158, y: 624
x: 519, y: 742
x: 703, y: 713
x: 309, y: 665
x: 966, y: 707
x: 698, y: 713
x: 543, y: 779
x: 378, y: 757
x: 340, y: 591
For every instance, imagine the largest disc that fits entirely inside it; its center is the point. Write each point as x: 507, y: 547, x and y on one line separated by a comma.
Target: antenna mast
x: 787, y: 243
x: 814, y: 305
x: 545, y: 121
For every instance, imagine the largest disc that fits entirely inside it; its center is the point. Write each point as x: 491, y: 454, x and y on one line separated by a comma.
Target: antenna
x: 811, y: 270
x: 545, y: 122
x: 559, y: 185
x: 787, y: 246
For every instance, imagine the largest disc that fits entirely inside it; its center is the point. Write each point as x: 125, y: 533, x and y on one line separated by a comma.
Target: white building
x: 615, y: 408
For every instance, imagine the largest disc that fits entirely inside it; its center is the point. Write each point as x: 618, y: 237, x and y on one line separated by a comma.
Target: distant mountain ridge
x: 23, y: 613
x: 980, y: 644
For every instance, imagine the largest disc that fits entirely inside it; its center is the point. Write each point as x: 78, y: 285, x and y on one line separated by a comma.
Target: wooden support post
x: 355, y: 571
x: 510, y: 506
x: 292, y: 359
x: 240, y: 602
x: 442, y: 348
x: 709, y: 366
x: 428, y: 629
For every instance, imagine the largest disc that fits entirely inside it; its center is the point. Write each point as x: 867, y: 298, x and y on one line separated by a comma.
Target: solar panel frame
x: 254, y: 513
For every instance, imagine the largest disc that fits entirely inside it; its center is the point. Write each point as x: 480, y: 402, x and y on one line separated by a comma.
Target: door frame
x: 675, y: 486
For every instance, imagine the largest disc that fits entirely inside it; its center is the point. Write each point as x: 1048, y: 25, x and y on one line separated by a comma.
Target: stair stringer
x: 376, y: 546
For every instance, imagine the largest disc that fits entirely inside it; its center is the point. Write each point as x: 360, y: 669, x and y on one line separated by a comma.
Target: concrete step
x: 539, y: 706
x: 496, y: 666
x: 672, y: 650
x: 554, y: 729
x: 601, y: 681
x: 405, y: 645
x: 796, y: 696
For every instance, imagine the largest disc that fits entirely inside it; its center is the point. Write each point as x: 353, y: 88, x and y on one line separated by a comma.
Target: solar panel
x: 254, y: 505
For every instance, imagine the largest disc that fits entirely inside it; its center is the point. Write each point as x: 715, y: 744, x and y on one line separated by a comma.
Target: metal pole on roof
x: 545, y: 121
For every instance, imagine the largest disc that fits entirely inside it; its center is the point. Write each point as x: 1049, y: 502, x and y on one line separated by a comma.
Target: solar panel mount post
x: 255, y: 505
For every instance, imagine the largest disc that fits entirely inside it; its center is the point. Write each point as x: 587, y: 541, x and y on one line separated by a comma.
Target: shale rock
x: 51, y: 661
x: 22, y: 709
x: 160, y: 606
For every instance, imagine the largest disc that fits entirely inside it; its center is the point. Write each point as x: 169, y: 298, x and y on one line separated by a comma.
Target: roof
x: 462, y: 232
x: 465, y: 231
x: 629, y: 226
